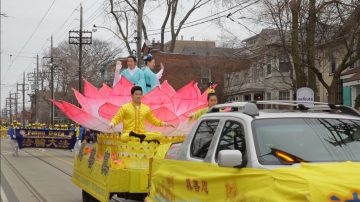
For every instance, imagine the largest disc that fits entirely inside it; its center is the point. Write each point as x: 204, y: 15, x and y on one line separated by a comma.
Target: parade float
x: 111, y: 166
x: 135, y: 169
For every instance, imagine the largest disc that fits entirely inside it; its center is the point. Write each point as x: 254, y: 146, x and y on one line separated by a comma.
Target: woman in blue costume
x: 134, y: 74
x: 151, y: 79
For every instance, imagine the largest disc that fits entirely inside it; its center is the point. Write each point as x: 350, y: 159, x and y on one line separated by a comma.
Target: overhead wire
x: 204, y: 18
x: 199, y: 23
x: 98, y: 12
x: 31, y: 36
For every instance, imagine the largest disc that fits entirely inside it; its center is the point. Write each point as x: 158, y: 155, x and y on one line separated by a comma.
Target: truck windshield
x: 309, y: 139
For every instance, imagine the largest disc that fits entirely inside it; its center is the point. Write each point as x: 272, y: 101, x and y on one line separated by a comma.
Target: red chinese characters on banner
x: 199, y: 186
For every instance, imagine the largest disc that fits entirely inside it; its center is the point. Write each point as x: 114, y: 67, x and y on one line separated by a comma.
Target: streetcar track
x: 28, y: 185
x: 50, y: 164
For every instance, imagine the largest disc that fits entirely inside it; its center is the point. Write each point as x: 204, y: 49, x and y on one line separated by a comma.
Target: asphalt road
x: 38, y: 175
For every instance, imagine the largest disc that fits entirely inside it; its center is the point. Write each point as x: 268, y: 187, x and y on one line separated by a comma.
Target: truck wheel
x: 88, y: 198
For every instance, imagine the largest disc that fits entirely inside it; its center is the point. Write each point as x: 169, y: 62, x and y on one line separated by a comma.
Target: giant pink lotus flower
x: 98, y: 106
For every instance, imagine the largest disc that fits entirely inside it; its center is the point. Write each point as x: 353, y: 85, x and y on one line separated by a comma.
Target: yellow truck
x: 111, y: 167
x: 306, y: 154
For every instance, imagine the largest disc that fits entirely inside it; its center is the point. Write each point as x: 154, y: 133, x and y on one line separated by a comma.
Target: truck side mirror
x: 230, y: 158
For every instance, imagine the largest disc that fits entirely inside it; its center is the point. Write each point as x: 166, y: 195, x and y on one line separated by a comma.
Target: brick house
x: 199, y: 61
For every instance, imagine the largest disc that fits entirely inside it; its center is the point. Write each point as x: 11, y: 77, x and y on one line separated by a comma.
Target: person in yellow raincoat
x: 133, y: 115
x: 212, y: 101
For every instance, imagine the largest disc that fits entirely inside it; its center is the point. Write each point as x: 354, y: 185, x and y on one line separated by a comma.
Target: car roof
x: 281, y: 114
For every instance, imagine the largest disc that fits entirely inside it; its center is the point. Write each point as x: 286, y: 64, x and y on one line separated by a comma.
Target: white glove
x: 117, y: 75
x: 160, y: 73
x: 118, y: 65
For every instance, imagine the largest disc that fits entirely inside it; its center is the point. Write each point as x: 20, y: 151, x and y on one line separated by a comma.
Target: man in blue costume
x: 134, y: 74
x: 12, y: 135
x: 151, y: 79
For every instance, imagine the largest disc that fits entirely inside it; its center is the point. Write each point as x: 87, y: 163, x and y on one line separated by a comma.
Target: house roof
x: 181, y: 44
x: 355, y: 77
x: 350, y: 71
x: 228, y: 52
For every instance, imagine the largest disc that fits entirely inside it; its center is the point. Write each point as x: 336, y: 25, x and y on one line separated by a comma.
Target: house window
x: 258, y: 96
x: 268, y: 95
x: 333, y: 66
x: 268, y: 69
x: 247, y: 97
x: 332, y: 62
x: 254, y: 74
x: 356, y: 64
x: 284, y: 67
x: 261, y: 71
x: 284, y: 95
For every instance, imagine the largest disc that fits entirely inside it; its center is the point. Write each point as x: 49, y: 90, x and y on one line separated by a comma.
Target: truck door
x: 232, y: 137
x: 202, y: 139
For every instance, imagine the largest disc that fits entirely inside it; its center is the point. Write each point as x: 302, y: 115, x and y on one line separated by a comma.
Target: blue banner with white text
x: 45, y: 138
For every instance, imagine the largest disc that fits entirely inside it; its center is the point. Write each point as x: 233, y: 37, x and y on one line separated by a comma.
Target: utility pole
x: 51, y: 82
x: 80, y: 38
x: 16, y: 100
x: 10, y: 103
x: 24, y: 88
x: 33, y: 78
x: 139, y: 31
x: 80, y: 48
x: 0, y: 61
x: 36, y: 86
x: 23, y: 97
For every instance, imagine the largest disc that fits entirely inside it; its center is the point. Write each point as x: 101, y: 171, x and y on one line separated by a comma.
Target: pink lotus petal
x: 187, y: 98
x: 58, y: 104
x: 99, y: 106
x: 123, y: 87
x: 119, y: 100
x: 105, y: 91
x: 82, y: 101
x: 167, y: 116
x: 167, y: 88
x: 79, y: 116
x: 157, y: 98
x: 108, y: 111
x: 184, y: 127
x: 90, y: 91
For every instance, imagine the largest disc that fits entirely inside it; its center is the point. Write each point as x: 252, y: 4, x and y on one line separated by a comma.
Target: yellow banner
x: 3, y: 132
x: 193, y: 181
x: 99, y: 178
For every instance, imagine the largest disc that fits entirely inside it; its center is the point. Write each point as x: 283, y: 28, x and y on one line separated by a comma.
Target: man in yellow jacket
x: 133, y: 115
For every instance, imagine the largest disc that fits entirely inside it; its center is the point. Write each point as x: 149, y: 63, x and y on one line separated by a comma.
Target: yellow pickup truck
x: 247, y: 154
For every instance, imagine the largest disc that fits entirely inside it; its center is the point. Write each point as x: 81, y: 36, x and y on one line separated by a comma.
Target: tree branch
x: 125, y: 37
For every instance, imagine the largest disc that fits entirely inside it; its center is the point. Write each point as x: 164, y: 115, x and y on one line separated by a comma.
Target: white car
x: 249, y: 137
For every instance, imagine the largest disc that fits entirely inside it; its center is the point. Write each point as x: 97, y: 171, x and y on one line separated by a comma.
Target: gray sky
x: 20, y: 40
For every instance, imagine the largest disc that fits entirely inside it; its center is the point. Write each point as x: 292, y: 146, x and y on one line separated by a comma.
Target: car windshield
x: 309, y: 139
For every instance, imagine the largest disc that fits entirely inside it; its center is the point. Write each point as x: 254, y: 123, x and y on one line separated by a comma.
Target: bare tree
x: 314, y: 25
x: 66, y: 65
x: 340, y: 29
x: 122, y: 27
x: 175, y: 29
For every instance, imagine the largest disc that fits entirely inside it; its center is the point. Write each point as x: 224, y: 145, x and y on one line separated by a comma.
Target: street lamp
x: 95, y: 29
